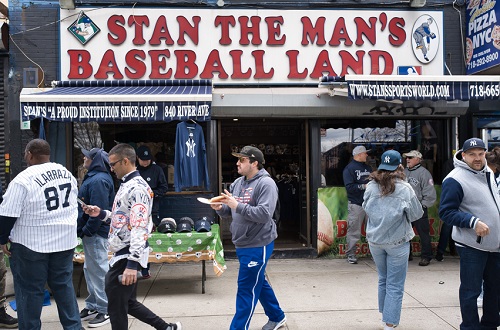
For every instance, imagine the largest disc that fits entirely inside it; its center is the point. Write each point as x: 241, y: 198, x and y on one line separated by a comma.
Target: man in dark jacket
x: 97, y: 189
x: 355, y: 179
x: 154, y: 176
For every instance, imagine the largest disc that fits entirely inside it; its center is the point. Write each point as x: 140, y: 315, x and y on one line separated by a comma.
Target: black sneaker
x: 7, y: 321
x: 424, y: 262
x: 87, y: 314
x: 174, y: 326
x: 99, y: 320
x: 439, y: 256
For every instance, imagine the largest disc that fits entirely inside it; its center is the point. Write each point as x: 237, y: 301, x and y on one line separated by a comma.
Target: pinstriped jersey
x: 43, y: 199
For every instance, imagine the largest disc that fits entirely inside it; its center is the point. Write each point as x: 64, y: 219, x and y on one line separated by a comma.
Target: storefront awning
x: 320, y: 102
x: 119, y: 101
x: 416, y: 87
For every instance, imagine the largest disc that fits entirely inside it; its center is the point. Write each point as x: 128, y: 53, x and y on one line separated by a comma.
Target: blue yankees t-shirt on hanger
x: 190, y: 164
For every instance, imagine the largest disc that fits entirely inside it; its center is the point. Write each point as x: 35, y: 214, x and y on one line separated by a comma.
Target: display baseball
x: 325, y: 228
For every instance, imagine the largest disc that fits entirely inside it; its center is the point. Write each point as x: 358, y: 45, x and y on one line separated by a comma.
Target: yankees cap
x: 202, y: 225
x: 390, y: 160
x: 144, y: 153
x: 167, y: 225
x: 473, y: 143
x: 185, y: 225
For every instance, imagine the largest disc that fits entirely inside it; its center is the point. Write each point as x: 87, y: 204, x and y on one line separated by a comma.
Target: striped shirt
x: 43, y: 199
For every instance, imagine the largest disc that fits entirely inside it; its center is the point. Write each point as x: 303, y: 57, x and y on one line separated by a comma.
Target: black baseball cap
x: 90, y: 154
x: 185, y: 225
x: 144, y: 153
x: 250, y: 152
x: 167, y: 225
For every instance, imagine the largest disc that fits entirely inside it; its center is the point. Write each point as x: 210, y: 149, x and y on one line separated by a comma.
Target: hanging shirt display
x: 190, y: 165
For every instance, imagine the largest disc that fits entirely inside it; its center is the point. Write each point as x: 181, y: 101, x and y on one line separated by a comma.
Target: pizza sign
x: 482, y: 45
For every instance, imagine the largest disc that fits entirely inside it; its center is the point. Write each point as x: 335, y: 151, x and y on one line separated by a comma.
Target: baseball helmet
x: 185, y: 225
x: 202, y: 225
x: 167, y: 225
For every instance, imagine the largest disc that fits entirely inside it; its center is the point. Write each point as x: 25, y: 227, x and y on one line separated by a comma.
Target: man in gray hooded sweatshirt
x: 471, y: 204
x: 251, y: 201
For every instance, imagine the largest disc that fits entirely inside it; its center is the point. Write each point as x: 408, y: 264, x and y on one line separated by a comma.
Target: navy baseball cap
x: 390, y: 160
x: 473, y: 143
x: 202, y: 225
x: 144, y: 153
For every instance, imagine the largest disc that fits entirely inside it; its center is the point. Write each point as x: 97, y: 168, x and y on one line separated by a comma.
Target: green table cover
x: 181, y: 247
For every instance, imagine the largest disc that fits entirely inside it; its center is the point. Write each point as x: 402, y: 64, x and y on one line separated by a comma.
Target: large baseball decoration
x: 325, y: 228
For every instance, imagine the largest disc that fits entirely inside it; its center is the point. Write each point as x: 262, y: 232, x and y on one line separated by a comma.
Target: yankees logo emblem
x: 387, y: 159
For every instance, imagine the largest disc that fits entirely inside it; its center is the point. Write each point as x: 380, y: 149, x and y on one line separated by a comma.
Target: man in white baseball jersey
x: 38, y: 215
x: 130, y: 226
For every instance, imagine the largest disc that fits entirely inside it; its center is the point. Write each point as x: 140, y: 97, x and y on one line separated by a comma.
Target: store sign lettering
x: 83, y: 112
x: 293, y: 45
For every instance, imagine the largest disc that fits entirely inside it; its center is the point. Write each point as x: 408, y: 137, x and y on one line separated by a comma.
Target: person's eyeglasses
x: 409, y: 157
x: 114, y: 163
x: 242, y: 159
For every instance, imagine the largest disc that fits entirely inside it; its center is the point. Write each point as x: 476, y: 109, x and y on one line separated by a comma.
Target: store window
x: 160, y: 137
x: 340, y: 137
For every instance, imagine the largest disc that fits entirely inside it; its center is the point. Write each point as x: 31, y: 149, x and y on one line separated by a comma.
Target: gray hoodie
x: 252, y: 224
x: 467, y: 196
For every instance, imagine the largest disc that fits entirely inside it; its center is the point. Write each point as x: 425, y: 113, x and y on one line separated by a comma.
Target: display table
x: 180, y: 247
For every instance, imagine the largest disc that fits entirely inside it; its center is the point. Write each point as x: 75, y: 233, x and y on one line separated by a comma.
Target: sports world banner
x: 482, y: 45
x: 424, y: 90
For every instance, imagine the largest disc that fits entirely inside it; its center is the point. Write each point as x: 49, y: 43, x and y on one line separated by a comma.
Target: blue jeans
x: 95, y: 268
x: 479, y: 267
x: 31, y: 270
x: 253, y: 286
x: 392, y: 264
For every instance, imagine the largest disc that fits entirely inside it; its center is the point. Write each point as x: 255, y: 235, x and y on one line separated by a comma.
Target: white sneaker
x: 100, y: 320
x: 270, y: 325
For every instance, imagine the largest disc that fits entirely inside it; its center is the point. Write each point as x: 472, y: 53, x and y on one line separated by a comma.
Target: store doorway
x: 283, y: 145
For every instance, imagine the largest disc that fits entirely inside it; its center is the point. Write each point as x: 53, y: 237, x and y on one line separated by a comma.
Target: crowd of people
x: 393, y: 201
x: 396, y: 198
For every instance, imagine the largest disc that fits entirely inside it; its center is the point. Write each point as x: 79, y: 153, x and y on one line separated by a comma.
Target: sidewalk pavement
x: 314, y: 293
